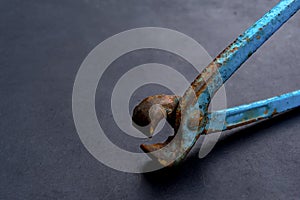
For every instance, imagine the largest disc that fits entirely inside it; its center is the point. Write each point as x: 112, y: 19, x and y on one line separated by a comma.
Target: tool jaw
x: 150, y: 111
x: 186, y: 130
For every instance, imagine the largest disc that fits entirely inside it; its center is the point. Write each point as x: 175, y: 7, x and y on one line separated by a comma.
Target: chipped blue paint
x: 247, y: 43
x: 246, y: 114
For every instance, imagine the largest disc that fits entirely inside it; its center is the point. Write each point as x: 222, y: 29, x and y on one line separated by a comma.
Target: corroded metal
x: 191, y: 116
x: 152, y: 110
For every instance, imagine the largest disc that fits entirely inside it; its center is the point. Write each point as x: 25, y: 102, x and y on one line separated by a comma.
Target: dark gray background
x: 42, y: 45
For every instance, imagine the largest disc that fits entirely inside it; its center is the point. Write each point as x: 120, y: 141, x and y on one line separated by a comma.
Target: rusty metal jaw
x: 189, y: 116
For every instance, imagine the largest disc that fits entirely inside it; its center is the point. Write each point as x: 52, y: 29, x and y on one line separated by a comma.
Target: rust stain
x: 194, y: 120
x: 274, y: 112
x: 141, y: 113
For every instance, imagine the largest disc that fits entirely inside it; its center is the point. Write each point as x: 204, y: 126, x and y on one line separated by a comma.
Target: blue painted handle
x: 253, y: 112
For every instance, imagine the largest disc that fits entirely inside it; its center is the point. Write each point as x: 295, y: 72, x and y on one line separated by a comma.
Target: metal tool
x: 189, y: 115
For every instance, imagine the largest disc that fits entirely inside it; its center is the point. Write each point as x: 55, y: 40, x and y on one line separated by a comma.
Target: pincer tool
x: 189, y: 115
